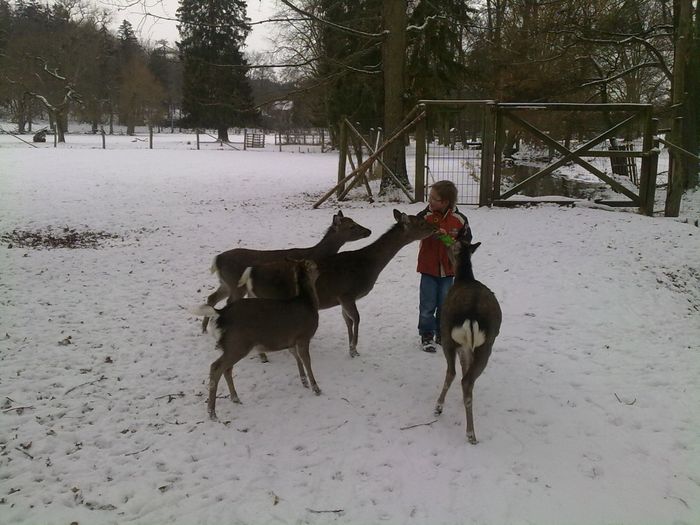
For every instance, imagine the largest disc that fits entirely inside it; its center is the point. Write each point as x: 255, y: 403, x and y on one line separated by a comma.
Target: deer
x: 274, y: 324
x: 344, y: 277
x: 469, y: 324
x: 229, y: 265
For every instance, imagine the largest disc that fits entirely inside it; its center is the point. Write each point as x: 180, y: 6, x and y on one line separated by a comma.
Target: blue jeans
x: 433, y: 291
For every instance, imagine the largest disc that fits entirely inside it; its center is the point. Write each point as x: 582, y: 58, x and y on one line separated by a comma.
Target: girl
x: 434, y: 266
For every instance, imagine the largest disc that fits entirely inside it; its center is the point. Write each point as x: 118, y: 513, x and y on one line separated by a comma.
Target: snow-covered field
x: 586, y: 414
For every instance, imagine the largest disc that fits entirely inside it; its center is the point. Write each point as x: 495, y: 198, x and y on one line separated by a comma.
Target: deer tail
x: 469, y: 335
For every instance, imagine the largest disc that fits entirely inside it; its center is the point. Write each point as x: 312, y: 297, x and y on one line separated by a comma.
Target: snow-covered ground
x: 586, y: 414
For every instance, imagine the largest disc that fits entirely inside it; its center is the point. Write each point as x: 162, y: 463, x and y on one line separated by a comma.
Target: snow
x: 586, y: 413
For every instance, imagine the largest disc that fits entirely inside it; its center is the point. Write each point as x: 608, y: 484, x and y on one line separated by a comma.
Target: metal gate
x: 451, y: 142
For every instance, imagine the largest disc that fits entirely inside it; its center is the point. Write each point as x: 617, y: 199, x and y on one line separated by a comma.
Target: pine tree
x: 216, y: 93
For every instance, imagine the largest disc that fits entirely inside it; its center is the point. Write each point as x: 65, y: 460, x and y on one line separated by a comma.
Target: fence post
x: 104, y: 145
x: 676, y: 172
x: 499, y: 139
x: 150, y: 136
x: 343, y: 159
x: 486, y: 188
x: 197, y: 138
x: 419, y: 183
x: 650, y: 161
x: 245, y: 138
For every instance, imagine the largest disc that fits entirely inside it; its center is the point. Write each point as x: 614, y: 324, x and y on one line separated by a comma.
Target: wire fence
x: 454, y: 149
x: 306, y: 141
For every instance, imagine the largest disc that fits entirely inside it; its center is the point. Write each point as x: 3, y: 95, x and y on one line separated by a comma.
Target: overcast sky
x: 150, y: 28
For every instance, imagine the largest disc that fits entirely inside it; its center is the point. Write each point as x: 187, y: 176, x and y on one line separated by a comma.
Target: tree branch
x: 620, y: 74
x: 323, y: 21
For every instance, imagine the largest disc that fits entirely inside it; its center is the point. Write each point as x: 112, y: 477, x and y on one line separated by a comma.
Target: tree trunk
x: 678, y: 166
x: 394, y: 59
x: 60, y: 121
x: 691, y: 129
x: 222, y: 133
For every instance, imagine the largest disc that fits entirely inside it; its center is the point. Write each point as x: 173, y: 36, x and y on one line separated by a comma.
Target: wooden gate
x: 626, y: 115
x: 463, y: 141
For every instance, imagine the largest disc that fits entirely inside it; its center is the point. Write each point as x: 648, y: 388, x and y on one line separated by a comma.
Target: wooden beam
x: 570, y: 156
x: 487, y: 139
x: 419, y: 182
x: 367, y: 163
x: 512, y: 203
x: 379, y: 159
x: 555, y: 106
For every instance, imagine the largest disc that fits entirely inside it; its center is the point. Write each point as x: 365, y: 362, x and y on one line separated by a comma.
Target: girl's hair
x: 447, y: 191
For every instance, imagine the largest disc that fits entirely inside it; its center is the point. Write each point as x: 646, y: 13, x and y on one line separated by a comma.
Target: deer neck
x: 329, y: 244
x: 464, y: 271
x: 386, y: 247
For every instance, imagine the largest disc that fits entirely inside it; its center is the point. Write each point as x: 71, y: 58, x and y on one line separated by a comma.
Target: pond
x: 552, y: 184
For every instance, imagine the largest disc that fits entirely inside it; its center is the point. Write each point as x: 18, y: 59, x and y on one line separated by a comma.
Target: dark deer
x: 344, y: 277
x: 273, y: 324
x: 229, y: 265
x: 469, y: 323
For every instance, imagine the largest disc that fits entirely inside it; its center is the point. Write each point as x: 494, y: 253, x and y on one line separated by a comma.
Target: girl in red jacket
x: 434, y: 266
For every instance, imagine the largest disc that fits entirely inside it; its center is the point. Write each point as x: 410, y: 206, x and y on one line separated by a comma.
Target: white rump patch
x: 247, y: 281
x: 203, y: 310
x: 469, y: 335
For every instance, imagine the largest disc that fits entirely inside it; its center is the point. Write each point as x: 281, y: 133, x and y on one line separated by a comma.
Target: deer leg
x: 224, y: 366
x: 467, y: 388
x: 352, y: 320
x: 449, y: 351
x: 466, y: 358
x: 215, y: 371
x: 303, y: 350
x: 300, y: 366
x: 221, y: 292
x: 348, y: 323
x: 228, y: 375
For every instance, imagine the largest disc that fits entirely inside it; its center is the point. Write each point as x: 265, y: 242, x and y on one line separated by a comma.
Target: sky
x: 156, y: 29
x: 587, y: 413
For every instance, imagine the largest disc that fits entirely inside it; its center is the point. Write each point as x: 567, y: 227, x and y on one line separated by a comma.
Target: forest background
x: 367, y: 60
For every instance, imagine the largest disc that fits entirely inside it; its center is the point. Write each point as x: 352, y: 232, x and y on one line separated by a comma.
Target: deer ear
x: 336, y: 218
x: 340, y: 213
x: 465, y: 235
x: 473, y: 247
x: 400, y: 217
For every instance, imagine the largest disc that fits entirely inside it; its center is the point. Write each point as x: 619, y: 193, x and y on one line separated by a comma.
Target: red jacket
x: 432, y: 254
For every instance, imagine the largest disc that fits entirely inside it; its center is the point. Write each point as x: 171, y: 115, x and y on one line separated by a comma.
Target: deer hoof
x: 438, y: 410
x: 354, y: 352
x: 472, y: 439
x: 305, y: 382
x: 213, y: 416
x: 263, y: 358
x: 316, y: 390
